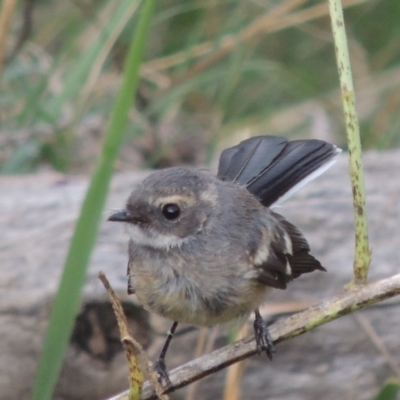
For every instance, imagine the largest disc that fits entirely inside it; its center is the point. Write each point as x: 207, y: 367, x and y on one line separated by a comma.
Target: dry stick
x: 139, y: 364
x: 134, y: 351
x: 343, y: 304
x: 363, y: 255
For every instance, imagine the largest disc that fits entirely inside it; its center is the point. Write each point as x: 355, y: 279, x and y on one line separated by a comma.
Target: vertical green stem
x: 67, y: 300
x: 362, y: 253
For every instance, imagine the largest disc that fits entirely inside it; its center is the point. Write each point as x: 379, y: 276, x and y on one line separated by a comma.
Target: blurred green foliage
x: 213, y: 69
x: 389, y: 390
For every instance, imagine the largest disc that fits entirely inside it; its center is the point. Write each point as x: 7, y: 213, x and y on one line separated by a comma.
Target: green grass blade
x: 67, y: 299
x: 389, y: 391
x: 79, y: 70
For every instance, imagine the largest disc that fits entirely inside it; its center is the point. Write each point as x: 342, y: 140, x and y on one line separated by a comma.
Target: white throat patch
x: 149, y: 237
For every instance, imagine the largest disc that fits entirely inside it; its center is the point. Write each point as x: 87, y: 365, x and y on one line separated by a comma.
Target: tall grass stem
x: 362, y: 251
x: 67, y: 300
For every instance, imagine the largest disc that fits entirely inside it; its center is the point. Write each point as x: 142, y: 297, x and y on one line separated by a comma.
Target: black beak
x: 119, y: 216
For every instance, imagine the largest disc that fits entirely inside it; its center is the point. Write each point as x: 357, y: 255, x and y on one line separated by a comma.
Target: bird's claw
x: 263, y: 337
x: 161, y: 370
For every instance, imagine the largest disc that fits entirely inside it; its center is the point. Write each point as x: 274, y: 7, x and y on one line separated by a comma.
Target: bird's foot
x: 263, y: 337
x: 161, y: 370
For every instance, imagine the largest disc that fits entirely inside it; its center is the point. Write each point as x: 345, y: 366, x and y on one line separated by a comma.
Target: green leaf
x: 66, y: 303
x: 389, y: 390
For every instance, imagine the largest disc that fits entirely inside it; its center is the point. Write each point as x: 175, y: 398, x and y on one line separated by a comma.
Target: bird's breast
x: 182, y: 289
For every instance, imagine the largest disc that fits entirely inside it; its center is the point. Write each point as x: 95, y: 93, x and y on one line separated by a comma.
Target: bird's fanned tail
x: 272, y: 168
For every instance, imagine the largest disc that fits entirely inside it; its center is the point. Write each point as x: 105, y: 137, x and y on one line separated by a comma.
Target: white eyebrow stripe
x: 175, y: 198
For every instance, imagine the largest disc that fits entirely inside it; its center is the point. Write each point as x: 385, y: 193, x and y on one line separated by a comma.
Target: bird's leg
x: 159, y: 365
x: 262, y: 335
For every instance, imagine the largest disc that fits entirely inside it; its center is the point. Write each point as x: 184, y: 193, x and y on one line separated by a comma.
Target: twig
x: 362, y: 254
x: 139, y: 363
x: 343, y: 304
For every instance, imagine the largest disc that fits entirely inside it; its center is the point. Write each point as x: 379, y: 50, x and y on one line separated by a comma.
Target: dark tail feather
x: 272, y: 168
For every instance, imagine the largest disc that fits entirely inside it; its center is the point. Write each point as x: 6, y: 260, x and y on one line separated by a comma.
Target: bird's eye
x: 171, y: 211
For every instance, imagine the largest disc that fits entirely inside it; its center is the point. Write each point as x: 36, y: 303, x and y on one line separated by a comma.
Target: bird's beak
x: 119, y: 216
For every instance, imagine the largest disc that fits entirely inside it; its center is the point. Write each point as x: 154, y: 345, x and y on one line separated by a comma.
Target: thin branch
x: 363, y: 254
x: 320, y: 314
x: 139, y: 364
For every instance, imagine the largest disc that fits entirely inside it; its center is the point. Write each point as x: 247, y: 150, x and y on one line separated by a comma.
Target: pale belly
x: 197, y: 301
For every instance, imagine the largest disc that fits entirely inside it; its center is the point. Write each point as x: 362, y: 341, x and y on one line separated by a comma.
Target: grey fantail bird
x: 205, y: 250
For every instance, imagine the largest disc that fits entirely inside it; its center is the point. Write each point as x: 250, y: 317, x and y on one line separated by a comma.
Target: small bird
x: 205, y: 250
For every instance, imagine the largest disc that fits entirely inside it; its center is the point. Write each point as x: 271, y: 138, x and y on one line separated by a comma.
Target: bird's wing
x: 283, y: 263
x: 272, y: 168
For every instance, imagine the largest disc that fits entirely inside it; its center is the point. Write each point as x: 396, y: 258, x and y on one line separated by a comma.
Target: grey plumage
x: 216, y: 262
x: 205, y: 250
